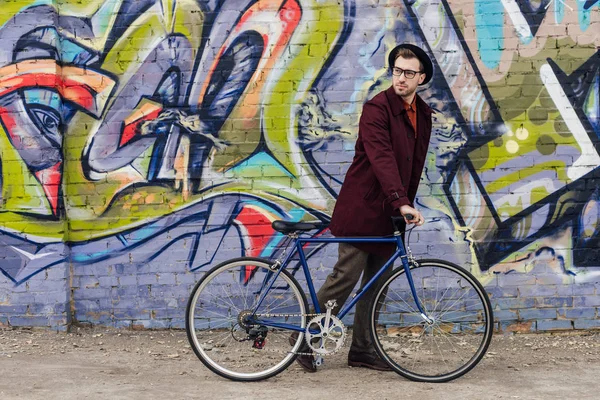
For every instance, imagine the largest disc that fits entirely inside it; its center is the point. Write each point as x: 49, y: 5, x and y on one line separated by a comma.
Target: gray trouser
x: 339, y: 284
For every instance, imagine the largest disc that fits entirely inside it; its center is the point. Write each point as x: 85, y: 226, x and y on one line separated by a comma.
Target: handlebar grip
x: 409, y: 216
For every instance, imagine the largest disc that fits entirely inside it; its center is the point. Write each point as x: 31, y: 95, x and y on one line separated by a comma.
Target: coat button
x: 408, y: 158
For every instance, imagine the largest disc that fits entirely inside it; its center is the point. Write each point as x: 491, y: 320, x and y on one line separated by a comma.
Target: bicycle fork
x: 407, y: 260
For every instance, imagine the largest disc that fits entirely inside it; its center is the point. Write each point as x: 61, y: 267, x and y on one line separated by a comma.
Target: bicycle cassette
x: 323, y: 338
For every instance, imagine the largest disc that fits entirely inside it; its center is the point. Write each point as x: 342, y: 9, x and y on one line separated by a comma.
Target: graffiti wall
x: 142, y: 141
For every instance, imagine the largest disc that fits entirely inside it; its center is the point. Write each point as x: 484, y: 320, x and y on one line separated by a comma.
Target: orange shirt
x: 411, y: 111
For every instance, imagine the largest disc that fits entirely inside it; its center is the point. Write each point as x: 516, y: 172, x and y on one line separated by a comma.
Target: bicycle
x: 430, y: 320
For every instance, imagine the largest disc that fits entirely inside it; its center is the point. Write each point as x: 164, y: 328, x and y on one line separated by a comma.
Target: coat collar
x: 397, y: 104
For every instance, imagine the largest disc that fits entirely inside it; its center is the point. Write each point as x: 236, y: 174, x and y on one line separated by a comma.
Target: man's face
x: 403, y: 86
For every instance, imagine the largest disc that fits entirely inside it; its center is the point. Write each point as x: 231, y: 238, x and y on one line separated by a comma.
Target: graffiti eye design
x: 48, y: 120
x: 50, y: 123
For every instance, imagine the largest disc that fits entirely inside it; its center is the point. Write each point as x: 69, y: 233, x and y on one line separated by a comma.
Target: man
x: 382, y: 181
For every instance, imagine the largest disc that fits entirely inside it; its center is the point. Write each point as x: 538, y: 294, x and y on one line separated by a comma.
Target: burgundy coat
x: 385, y: 172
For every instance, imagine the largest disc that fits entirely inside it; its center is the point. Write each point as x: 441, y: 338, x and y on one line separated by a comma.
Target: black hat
x: 421, y: 55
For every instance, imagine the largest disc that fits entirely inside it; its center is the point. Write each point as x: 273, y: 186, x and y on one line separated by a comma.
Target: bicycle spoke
x: 270, y: 305
x: 216, y: 314
x: 447, y: 338
x: 408, y: 305
x: 461, y: 317
x: 455, y: 302
x: 439, y: 350
x: 397, y: 306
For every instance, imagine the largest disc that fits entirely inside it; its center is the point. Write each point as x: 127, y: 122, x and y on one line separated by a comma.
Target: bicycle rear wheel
x: 448, y: 346
x: 220, y: 308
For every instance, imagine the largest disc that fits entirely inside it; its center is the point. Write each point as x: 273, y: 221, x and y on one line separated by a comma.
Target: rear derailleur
x: 259, y: 335
x: 256, y: 333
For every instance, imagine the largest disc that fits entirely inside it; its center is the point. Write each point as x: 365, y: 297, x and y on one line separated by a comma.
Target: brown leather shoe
x: 306, y: 362
x: 367, y: 360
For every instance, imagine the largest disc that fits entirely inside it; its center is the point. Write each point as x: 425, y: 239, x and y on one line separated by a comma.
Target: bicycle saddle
x: 286, y: 227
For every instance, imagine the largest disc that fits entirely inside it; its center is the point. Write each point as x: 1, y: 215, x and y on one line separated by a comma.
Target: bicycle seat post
x: 330, y: 304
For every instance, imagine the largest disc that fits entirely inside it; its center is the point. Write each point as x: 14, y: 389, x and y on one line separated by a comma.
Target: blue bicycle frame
x: 298, y: 248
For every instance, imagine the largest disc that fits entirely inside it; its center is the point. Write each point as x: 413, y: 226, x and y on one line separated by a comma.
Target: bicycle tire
x: 462, y: 320
x: 212, y: 322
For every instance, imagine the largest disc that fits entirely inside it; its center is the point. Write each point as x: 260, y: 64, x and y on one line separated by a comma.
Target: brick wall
x: 140, y: 145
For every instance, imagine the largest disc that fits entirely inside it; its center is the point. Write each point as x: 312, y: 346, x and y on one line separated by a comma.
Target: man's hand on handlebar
x: 412, y: 215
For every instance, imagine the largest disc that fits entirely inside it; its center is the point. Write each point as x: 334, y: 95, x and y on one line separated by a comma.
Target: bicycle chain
x: 287, y: 315
x: 298, y: 315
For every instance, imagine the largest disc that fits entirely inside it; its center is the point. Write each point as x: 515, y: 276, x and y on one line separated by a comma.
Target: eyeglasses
x: 409, y: 74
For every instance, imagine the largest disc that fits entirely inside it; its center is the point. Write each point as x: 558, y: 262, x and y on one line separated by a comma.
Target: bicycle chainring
x: 325, y: 340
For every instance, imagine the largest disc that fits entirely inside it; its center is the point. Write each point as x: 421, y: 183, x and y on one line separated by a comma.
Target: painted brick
x: 153, y: 267
x: 41, y: 308
x: 159, y: 324
x: 57, y: 273
x: 23, y: 298
x: 51, y: 297
x: 58, y: 322
x: 147, y: 279
x: 125, y: 269
x: 568, y: 290
x: 61, y: 308
x: 587, y: 324
x: 24, y: 320
x: 549, y: 278
x: 123, y: 324
x: 583, y: 289
x: 108, y: 281
x: 93, y: 293
x: 86, y: 305
x: 502, y: 292
x: 168, y: 313
x: 537, y: 313
x: 161, y: 290
x: 130, y: 313
x: 144, y: 291
x: 520, y: 327
x: 554, y: 302
x: 145, y: 323
x: 124, y: 292
x: 537, y: 290
x: 88, y: 282
x: 505, y: 315
x: 514, y: 279
x: 586, y: 301
x: 576, y: 313
x: 167, y: 279
x: 514, y: 303
x: 96, y: 270
x: 13, y: 309
x: 554, y: 324
x: 186, y: 278
x: 145, y: 302
x: 37, y: 279
x: 128, y: 280
x: 23, y: 288
x: 178, y: 324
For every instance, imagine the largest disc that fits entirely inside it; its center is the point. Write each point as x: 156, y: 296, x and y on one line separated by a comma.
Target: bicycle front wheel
x: 455, y: 337
x: 228, y: 337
